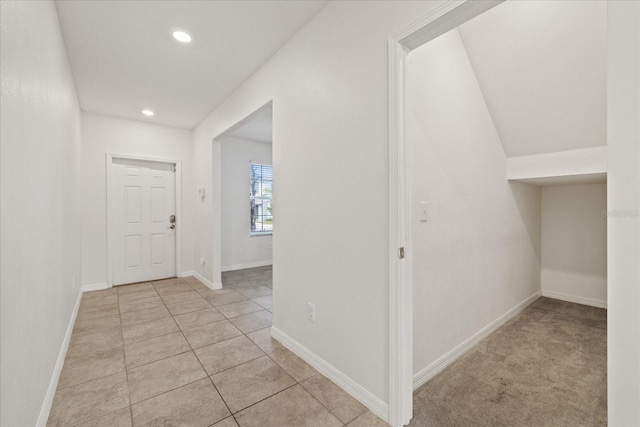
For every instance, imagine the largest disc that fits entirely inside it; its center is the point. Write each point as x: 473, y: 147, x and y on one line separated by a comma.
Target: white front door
x: 143, y: 201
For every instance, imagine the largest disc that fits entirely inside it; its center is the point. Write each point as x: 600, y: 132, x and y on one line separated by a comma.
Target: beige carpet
x: 546, y: 367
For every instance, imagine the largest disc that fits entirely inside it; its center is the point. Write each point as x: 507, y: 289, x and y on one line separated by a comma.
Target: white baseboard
x: 206, y: 282
x: 247, y: 265
x: 94, y: 287
x: 53, y: 384
x: 575, y: 298
x: 374, y: 404
x: 436, y: 367
x: 186, y: 274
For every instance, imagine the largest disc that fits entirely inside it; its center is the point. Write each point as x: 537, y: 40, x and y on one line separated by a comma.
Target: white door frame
x: 110, y: 243
x: 445, y: 17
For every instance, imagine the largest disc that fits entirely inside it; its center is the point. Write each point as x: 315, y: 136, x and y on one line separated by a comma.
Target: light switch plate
x: 424, y: 211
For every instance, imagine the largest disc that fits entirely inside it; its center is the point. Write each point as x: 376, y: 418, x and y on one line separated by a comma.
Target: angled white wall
x: 541, y: 66
x: 40, y: 209
x: 239, y: 248
x: 105, y: 134
x: 478, y: 255
x: 574, y: 243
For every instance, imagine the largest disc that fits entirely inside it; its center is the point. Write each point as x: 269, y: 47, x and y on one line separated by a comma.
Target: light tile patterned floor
x: 173, y: 352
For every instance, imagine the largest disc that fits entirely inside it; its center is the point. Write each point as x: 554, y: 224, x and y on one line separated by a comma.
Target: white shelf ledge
x: 585, y: 166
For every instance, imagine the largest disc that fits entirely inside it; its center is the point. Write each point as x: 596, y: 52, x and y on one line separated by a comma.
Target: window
x: 260, y: 191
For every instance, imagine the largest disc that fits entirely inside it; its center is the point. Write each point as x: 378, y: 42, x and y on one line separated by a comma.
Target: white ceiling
x: 124, y: 59
x: 541, y: 66
x: 258, y: 127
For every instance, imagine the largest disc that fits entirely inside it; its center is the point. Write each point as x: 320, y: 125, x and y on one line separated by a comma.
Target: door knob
x: 172, y: 226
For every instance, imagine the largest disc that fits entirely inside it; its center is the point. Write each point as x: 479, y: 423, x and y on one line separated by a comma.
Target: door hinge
x: 401, y: 253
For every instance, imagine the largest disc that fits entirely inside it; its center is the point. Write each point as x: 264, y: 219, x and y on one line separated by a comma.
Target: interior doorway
x: 460, y: 190
x: 143, y: 219
x: 244, y: 192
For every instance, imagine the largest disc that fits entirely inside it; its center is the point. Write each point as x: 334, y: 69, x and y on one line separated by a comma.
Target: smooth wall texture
x: 574, y: 243
x: 40, y: 210
x: 329, y: 90
x: 478, y: 255
x: 623, y: 224
x: 239, y: 248
x: 104, y: 134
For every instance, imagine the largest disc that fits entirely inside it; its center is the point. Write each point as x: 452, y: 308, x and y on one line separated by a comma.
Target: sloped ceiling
x: 541, y: 66
x: 124, y: 59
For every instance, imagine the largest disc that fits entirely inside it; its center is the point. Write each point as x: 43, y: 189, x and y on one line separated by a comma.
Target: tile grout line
x: 203, y: 368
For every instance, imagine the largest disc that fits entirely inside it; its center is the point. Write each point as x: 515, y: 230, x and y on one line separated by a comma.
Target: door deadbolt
x: 172, y: 219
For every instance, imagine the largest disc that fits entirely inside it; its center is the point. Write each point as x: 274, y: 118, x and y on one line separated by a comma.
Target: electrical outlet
x: 311, y: 312
x: 202, y: 261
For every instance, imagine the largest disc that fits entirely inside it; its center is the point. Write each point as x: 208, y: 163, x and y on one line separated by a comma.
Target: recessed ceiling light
x: 181, y: 36
x: 148, y: 113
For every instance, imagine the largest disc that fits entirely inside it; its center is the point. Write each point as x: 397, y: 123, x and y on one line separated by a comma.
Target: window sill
x: 261, y: 233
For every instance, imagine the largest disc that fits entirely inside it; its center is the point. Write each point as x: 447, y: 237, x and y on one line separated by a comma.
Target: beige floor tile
x: 294, y: 407
x: 251, y: 382
x: 368, y: 419
x: 198, y: 286
x: 227, y: 422
x: 189, y: 295
x: 84, y: 345
x: 227, y: 354
x: 253, y: 321
x: 136, y: 287
x: 89, y: 400
x: 155, y: 378
x: 236, y: 309
x: 140, y: 304
x: 148, y: 330
x: 188, y: 306
x: 265, y: 301
x: 145, y: 315
x: 255, y: 292
x: 169, y: 281
x: 263, y: 339
x: 98, y: 301
x: 99, y: 311
x: 165, y: 289
x: 77, y: 370
x: 296, y: 367
x: 99, y: 294
x: 338, y: 401
x: 148, y: 351
x: 211, y: 333
x: 196, y: 404
x: 119, y: 418
x: 92, y: 326
x: 137, y: 295
x: 224, y: 296
x: 198, y: 318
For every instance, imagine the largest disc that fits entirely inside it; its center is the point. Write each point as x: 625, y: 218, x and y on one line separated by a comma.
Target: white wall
x: 40, y: 249
x: 104, y: 134
x: 574, y: 243
x: 239, y: 248
x: 328, y: 86
x: 478, y: 255
x: 542, y: 68
x: 623, y: 195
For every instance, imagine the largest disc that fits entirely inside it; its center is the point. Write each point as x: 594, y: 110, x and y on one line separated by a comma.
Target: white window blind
x: 260, y: 192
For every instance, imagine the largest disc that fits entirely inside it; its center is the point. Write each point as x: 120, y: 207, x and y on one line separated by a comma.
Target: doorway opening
x: 470, y: 198
x: 144, y: 217
x: 245, y: 183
